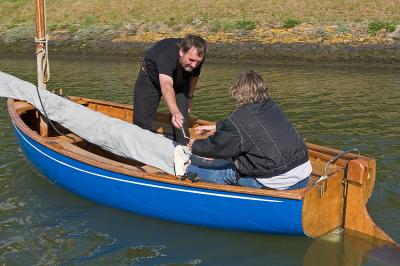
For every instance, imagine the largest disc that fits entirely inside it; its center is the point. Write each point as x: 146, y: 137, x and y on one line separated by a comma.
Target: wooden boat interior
x: 92, y: 154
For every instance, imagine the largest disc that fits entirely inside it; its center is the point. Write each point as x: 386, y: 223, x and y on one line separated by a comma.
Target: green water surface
x: 340, y: 106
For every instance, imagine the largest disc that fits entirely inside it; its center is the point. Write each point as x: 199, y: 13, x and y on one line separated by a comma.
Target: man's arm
x: 168, y: 92
x: 192, y: 87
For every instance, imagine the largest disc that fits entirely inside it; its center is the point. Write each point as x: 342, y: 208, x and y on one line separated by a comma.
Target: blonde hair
x: 249, y: 88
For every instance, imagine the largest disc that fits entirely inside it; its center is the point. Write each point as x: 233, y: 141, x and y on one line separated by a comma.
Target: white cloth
x: 290, y: 178
x: 181, y: 159
x: 114, y: 135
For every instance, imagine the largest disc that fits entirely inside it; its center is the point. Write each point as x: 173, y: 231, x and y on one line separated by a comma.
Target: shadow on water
x: 337, y: 106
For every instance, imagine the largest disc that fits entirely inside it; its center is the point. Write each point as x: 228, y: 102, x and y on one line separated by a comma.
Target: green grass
x: 72, y: 28
x: 290, y: 23
x: 343, y: 27
x: 243, y: 25
x: 10, y: 1
x: 90, y: 20
x: 216, y: 15
x: 261, y: 11
x: 376, y: 26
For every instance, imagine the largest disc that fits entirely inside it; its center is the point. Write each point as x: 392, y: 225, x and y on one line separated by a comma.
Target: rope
x: 47, y: 118
x: 45, y: 66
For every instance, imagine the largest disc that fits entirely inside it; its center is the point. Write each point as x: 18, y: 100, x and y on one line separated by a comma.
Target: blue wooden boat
x: 340, y: 186
x: 336, y: 200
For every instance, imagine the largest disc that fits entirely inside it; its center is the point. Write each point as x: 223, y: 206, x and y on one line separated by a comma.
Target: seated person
x: 260, y: 147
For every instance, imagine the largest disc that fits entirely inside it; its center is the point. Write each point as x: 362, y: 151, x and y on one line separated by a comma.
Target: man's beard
x: 188, y: 69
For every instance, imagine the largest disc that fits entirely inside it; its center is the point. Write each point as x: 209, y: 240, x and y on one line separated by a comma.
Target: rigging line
x: 42, y: 41
x: 48, y: 120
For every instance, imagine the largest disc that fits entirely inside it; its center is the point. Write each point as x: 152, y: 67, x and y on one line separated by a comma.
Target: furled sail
x: 114, y: 135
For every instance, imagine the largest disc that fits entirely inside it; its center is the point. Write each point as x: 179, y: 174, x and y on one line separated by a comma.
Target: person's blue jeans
x: 223, y: 172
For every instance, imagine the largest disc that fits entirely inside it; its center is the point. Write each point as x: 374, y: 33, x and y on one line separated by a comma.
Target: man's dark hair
x: 195, y: 41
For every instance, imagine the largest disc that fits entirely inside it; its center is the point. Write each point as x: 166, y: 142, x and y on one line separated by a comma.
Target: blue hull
x: 196, y: 206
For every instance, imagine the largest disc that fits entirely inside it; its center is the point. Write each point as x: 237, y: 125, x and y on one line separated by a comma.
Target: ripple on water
x: 130, y: 255
x: 341, y: 107
x: 72, y: 243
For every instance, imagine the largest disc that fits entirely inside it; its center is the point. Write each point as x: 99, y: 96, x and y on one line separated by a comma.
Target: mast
x: 43, y: 73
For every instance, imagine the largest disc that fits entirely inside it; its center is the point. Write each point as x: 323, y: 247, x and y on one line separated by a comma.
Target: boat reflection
x: 349, y: 248
x: 184, y: 244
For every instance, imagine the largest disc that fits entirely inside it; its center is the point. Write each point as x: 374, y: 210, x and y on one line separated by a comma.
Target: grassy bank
x: 270, y: 26
x: 215, y: 15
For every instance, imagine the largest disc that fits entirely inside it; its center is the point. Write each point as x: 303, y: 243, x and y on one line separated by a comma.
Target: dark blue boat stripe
x: 143, y: 184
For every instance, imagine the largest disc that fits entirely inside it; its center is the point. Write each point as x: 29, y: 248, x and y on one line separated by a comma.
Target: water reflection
x: 337, y: 249
x: 342, y: 107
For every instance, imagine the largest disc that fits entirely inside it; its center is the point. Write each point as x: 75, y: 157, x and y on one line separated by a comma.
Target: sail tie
x: 45, y: 66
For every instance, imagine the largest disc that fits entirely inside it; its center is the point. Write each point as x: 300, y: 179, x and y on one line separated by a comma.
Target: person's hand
x: 205, y: 130
x: 177, y: 119
x: 190, y: 143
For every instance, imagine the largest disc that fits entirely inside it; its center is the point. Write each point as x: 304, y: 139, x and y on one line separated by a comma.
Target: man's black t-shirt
x: 163, y: 58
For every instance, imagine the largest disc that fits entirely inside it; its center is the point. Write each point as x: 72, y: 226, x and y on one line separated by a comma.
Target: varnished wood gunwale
x: 333, y: 152
x: 98, y: 161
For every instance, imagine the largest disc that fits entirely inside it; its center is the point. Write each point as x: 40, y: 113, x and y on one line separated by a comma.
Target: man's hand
x: 205, y: 130
x: 177, y: 119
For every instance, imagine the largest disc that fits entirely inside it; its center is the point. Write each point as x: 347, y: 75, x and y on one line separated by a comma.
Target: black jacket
x: 259, y: 139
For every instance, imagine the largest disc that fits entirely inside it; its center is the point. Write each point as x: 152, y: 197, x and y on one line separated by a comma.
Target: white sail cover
x: 114, y: 135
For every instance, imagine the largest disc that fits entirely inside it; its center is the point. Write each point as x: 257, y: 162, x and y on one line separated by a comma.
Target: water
x: 338, y: 106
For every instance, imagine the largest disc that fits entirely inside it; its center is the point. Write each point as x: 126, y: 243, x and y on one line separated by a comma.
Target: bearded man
x: 171, y: 69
